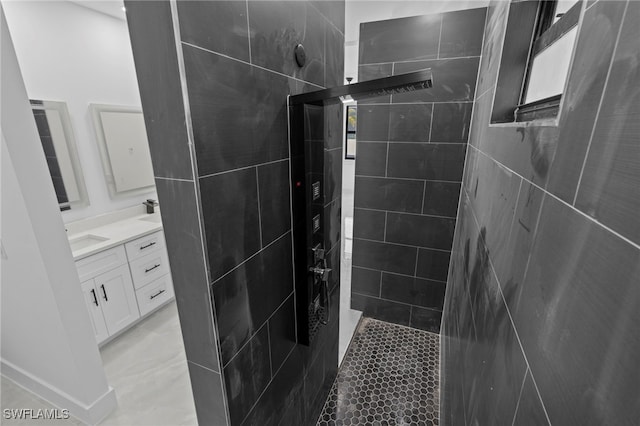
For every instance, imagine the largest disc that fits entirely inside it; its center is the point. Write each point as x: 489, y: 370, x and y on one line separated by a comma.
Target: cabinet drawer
x: 101, y: 262
x: 148, y: 268
x: 154, y: 294
x: 144, y: 245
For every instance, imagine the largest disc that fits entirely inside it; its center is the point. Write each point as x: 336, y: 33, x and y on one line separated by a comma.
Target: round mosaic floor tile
x: 389, y: 376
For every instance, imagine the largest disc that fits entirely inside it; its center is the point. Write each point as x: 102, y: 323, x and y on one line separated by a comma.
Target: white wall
x: 359, y: 11
x: 79, y: 56
x: 48, y: 344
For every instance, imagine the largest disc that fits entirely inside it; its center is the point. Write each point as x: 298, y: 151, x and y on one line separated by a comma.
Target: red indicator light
x: 298, y: 184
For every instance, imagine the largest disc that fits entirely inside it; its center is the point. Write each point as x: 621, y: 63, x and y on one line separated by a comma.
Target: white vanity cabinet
x: 109, y: 296
x: 124, y: 283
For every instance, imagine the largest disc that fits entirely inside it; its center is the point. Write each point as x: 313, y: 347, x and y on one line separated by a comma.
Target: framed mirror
x: 124, y: 149
x: 58, y: 143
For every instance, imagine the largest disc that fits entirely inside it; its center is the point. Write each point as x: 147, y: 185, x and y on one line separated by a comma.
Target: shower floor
x: 390, y: 376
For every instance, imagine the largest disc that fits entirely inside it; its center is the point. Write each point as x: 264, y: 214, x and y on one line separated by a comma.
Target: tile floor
x: 146, y: 366
x: 389, y: 376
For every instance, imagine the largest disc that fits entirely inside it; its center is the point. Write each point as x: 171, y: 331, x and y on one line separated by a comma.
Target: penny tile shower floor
x: 389, y: 376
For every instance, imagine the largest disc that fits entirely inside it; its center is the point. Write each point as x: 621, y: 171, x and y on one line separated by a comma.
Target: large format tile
x: 423, y: 231
x: 387, y: 257
x: 277, y: 27
x: 208, y: 394
x: 156, y: 63
x: 451, y: 122
x: 249, y: 295
x: 234, y: 127
x: 247, y: 375
x: 462, y: 33
x: 397, y: 313
x: 409, y: 122
x: 401, y: 39
x: 530, y: 409
x: 426, y: 161
x: 365, y: 281
x: 231, y: 219
x: 373, y: 123
x: 334, y: 49
x: 441, y: 198
x: 275, y: 208
x: 426, y: 319
x: 189, y: 270
x: 389, y: 194
x: 371, y: 159
x: 433, y: 264
x: 576, y: 291
x: 369, y: 224
x: 282, y: 333
x: 220, y: 27
x: 411, y: 290
x: 610, y: 185
x: 586, y: 81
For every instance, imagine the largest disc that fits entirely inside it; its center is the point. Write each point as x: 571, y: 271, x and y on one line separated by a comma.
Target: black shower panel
x: 307, y: 155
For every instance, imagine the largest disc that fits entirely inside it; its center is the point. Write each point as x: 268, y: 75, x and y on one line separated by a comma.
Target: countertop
x: 93, y: 236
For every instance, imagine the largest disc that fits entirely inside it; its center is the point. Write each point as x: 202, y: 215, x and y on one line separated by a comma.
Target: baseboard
x: 90, y: 414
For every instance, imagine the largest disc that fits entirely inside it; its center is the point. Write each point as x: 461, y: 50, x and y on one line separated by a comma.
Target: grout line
x: 402, y: 275
x: 386, y: 161
x: 424, y: 199
x: 259, y: 214
x: 604, y: 90
x: 248, y: 31
x: 202, y: 366
x: 402, y: 245
x: 440, y: 35
x: 409, y: 213
x: 415, y: 269
x: 395, y: 301
x: 266, y: 322
x: 515, y: 413
x: 253, y: 65
x: 380, y: 289
x: 408, y: 179
x: 622, y: 237
x: 243, y: 168
x: 412, y: 61
x: 269, y: 347
x: 384, y: 235
x: 250, y: 257
x: 433, y: 107
x: 176, y: 179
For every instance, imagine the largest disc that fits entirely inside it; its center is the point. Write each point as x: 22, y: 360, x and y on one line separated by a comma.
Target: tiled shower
x: 518, y: 243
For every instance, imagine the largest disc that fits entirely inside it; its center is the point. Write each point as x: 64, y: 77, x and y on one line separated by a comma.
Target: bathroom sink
x: 156, y: 218
x: 85, y: 241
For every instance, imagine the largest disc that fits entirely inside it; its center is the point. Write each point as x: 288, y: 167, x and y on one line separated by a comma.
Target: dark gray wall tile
x: 426, y: 161
x: 333, y: 10
x: 373, y: 123
x: 451, y: 122
x: 282, y: 333
x: 373, y: 71
x: 247, y: 376
x: 231, y: 223
x: 276, y: 27
x: 411, y: 290
x: 334, y: 72
x: 462, y: 33
x: 371, y: 158
x: 530, y: 409
x: 221, y: 27
x: 423, y: 231
x: 156, y: 62
x: 189, y: 270
x: 610, y: 185
x: 398, y: 313
x: 389, y: 194
x: 369, y: 224
x: 409, y: 122
x: 433, y: 264
x: 441, y: 198
x: 365, y: 281
x: 208, y: 395
x: 425, y: 319
x: 249, y: 295
x: 234, y: 127
x: 399, y: 39
x: 275, y: 208
x: 387, y: 257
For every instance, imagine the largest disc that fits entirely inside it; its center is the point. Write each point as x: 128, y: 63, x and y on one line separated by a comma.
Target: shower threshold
x: 390, y: 376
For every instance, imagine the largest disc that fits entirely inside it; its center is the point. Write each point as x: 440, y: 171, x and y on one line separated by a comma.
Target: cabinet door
x: 117, y: 298
x: 95, y: 310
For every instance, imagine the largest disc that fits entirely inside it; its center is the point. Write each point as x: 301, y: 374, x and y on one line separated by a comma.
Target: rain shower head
x: 402, y: 83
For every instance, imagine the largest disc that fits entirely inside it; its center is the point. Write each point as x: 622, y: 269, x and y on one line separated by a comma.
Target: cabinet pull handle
x: 95, y: 299
x: 152, y: 268
x: 104, y: 292
x: 148, y: 245
x: 156, y: 295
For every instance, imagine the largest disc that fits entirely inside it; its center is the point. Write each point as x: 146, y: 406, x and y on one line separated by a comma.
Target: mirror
x: 56, y: 136
x: 124, y: 149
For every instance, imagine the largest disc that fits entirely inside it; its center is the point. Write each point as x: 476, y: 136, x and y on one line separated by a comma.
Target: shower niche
x: 314, y: 271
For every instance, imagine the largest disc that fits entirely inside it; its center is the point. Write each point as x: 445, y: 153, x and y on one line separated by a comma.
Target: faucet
x: 150, y: 205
